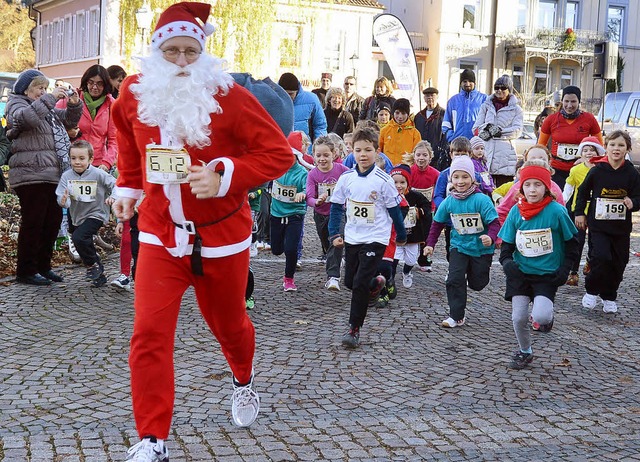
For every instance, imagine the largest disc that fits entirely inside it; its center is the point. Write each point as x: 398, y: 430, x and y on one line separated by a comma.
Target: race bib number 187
x: 467, y: 223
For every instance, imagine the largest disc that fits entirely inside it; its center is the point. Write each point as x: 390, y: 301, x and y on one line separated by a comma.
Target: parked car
x: 527, y: 139
x: 621, y: 111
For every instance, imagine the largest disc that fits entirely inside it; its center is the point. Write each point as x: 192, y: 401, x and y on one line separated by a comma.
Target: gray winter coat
x: 500, y: 152
x: 33, y: 156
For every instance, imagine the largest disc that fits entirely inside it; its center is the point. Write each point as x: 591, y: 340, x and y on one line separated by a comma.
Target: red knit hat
x: 181, y: 20
x: 404, y: 170
x: 535, y: 172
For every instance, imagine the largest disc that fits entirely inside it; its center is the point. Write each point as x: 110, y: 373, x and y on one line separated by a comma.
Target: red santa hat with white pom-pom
x: 186, y: 19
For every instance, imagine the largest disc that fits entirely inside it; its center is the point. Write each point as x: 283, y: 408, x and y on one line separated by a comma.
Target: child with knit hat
x: 589, y: 149
x: 399, y: 135
x: 418, y: 212
x: 480, y: 164
x: 474, y: 228
x: 539, y: 246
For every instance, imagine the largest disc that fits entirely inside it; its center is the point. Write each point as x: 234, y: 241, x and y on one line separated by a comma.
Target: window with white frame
x: 471, y: 14
x: 615, y: 23
x: 523, y: 15
x: 571, y: 15
x: 518, y: 74
x: 540, y: 80
x: 333, y: 51
x: 547, y: 14
x: 566, y: 77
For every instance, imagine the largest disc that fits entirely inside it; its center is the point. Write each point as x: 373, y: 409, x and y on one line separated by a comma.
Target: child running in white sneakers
x: 538, y: 248
x: 371, y: 201
x: 589, y: 149
x: 612, y: 188
x: 419, y: 210
x: 85, y: 190
x: 474, y: 227
x: 288, y: 208
x: 321, y: 181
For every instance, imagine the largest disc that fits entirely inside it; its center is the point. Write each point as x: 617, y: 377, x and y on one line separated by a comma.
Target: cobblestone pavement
x: 413, y: 391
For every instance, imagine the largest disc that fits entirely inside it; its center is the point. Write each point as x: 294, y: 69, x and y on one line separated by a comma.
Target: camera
x: 69, y: 92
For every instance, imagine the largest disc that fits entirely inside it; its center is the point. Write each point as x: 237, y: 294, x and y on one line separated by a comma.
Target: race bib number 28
x: 361, y: 213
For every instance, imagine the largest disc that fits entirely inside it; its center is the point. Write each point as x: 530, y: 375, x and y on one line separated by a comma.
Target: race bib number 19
x: 167, y: 165
x: 83, y: 191
x: 610, y: 209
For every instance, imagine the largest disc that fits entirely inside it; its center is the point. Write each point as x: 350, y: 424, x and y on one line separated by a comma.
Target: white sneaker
x: 245, y: 404
x: 589, y: 301
x: 267, y: 246
x: 449, y: 322
x: 253, y: 249
x: 148, y: 451
x: 407, y: 280
x: 259, y: 245
x: 332, y: 284
x: 122, y: 282
x: 73, y: 253
x: 609, y: 306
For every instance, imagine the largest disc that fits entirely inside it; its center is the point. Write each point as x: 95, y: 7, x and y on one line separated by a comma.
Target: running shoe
x: 450, y: 322
x: 520, y: 360
x: 288, y: 284
x: 332, y: 284
x: 148, y: 450
x: 250, y: 303
x: 609, y: 306
x: 573, y: 279
x: 589, y: 301
x: 407, y: 280
x: 253, y: 249
x: 376, y: 286
x: 391, y: 289
x: 352, y: 338
x: 122, y: 282
x: 382, y: 302
x: 245, y: 403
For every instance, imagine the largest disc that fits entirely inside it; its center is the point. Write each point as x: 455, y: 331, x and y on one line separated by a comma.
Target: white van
x: 622, y: 112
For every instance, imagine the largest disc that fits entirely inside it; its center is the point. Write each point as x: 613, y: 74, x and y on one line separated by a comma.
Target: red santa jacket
x: 245, y: 142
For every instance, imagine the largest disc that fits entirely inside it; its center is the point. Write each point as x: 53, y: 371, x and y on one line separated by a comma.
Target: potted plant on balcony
x: 568, y: 40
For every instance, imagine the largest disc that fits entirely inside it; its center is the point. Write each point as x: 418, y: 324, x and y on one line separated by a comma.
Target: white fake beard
x: 181, y: 105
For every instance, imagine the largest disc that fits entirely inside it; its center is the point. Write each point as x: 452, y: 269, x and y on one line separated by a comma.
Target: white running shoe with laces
x: 148, y: 451
x: 407, y: 280
x: 245, y: 403
x: 609, y: 306
x: 122, y: 282
x: 589, y: 301
x: 73, y: 253
x: 253, y: 249
x: 332, y: 284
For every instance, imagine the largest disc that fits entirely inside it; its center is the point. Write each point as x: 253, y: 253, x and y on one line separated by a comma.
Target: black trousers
x: 285, y: 237
x: 361, y: 266
x: 465, y: 270
x: 608, y: 260
x: 560, y: 177
x: 40, y: 222
x: 82, y: 237
x: 135, y: 243
x: 263, y: 217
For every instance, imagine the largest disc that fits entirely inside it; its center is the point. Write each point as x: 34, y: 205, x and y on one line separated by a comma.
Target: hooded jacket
x: 396, y: 139
x: 308, y: 114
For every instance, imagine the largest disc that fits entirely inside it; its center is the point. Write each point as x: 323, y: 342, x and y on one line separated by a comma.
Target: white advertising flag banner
x: 395, y: 44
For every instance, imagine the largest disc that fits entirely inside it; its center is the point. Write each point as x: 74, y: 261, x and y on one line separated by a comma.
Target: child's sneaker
x: 250, y: 303
x: 260, y: 245
x: 121, y: 282
x: 332, y: 284
x: 94, y: 271
x: 573, y: 279
x: 253, y: 249
x: 391, y: 289
x: 99, y: 281
x: 288, y: 284
x: 245, y: 403
x: 267, y: 246
x: 148, y: 450
x: 376, y: 286
x: 449, y: 322
x: 520, y: 360
x: 73, y: 253
x: 352, y: 338
x: 609, y: 306
x: 589, y: 301
x: 407, y: 280
x: 382, y: 301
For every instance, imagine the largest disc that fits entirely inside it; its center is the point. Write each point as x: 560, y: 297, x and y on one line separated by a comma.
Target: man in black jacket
x: 429, y: 123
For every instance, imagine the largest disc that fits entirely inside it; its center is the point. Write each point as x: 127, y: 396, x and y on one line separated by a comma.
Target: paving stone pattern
x: 413, y: 391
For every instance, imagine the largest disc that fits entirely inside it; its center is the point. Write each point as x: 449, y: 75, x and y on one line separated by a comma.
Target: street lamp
x: 354, y: 62
x: 144, y: 16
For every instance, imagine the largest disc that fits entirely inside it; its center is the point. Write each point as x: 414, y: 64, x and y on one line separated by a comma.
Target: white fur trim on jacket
x: 207, y: 252
x: 229, y: 168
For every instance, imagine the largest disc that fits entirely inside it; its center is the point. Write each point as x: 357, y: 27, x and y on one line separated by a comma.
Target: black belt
x: 191, y: 228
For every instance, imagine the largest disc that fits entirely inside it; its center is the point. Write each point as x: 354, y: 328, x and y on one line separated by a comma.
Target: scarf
x: 464, y: 194
x: 92, y: 104
x: 570, y: 116
x: 529, y: 210
x: 61, y: 141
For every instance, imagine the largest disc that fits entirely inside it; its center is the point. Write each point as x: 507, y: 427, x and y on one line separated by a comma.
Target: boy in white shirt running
x: 372, y: 203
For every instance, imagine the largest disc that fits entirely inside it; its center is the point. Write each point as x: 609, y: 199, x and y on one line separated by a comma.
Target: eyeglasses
x: 172, y: 53
x: 500, y: 88
x: 92, y: 83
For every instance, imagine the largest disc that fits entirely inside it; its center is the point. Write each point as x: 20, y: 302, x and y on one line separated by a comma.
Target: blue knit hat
x: 272, y: 97
x: 24, y: 80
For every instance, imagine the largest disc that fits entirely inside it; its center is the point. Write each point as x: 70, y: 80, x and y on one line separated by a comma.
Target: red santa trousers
x: 161, y: 280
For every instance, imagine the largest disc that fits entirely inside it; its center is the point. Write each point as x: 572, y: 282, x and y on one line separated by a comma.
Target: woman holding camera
x: 499, y: 122
x: 39, y: 155
x: 96, y: 125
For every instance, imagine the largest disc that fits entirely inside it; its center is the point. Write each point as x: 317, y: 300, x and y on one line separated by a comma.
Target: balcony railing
x: 555, y: 39
x: 418, y: 41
